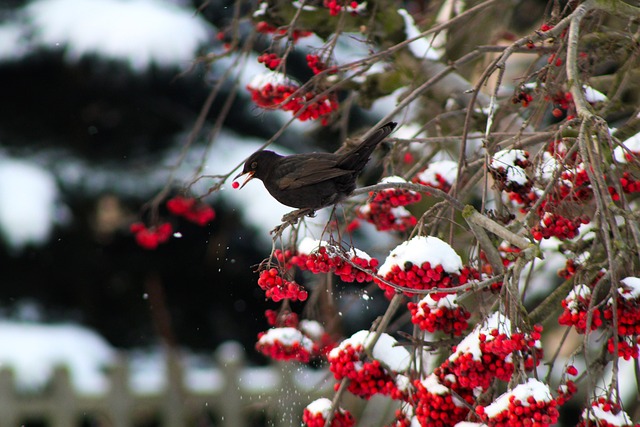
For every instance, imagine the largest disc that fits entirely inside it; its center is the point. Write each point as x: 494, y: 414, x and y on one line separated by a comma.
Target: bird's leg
x: 293, y: 216
x: 291, y: 219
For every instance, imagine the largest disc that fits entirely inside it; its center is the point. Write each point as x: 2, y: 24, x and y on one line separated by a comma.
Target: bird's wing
x: 308, y: 171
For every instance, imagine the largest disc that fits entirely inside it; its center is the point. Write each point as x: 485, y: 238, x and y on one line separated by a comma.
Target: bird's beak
x: 247, y: 179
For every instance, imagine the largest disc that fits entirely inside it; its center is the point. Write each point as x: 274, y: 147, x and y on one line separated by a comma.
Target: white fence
x: 237, y: 396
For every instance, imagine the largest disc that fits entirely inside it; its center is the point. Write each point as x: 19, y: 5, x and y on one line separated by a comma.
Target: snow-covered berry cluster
x: 443, y: 314
x: 320, y: 257
x: 191, y: 210
x: 275, y: 91
x: 278, y: 288
x: 627, y: 307
x: 572, y: 187
x: 423, y: 263
x: 575, y: 310
x: 605, y: 413
x: 385, y: 209
x: 507, y: 167
x: 440, y: 175
x: 627, y: 312
x: 151, y: 237
x: 437, y: 405
x: 374, y: 374
x: 311, y: 329
x: 285, y: 343
x: 487, y: 353
x: 317, y: 412
x: 528, y: 404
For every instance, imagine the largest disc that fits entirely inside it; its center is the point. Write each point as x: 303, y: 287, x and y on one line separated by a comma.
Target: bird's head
x: 256, y: 165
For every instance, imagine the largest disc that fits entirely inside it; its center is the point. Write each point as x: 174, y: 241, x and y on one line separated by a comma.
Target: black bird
x: 314, y: 180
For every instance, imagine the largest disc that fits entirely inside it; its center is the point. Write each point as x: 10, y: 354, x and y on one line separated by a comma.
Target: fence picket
x: 275, y: 388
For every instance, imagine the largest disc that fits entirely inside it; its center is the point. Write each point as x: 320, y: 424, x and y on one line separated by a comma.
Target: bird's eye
x: 254, y: 165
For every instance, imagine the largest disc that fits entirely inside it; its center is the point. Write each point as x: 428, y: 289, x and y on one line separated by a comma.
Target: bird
x: 312, y: 181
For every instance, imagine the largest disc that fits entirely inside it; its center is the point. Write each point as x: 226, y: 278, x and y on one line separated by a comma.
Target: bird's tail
x: 357, y: 158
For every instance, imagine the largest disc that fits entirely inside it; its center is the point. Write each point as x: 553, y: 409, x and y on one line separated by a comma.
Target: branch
x: 471, y: 215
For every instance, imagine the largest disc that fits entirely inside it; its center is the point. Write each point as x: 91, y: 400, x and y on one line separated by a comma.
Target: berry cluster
x: 316, y: 413
x: 529, y: 404
x: 191, y: 210
x: 317, y: 65
x: 336, y: 6
x: 567, y: 390
x: 508, y: 254
x: 366, y: 377
x: 394, y: 197
x: 556, y: 225
x: 605, y: 413
x: 562, y: 102
x: 150, y: 238
x: 523, y: 95
x: 435, y: 404
x: 270, y: 60
x: 281, y: 96
x: 405, y: 416
x: 569, y: 270
x: 629, y: 185
x: 285, y: 344
x: 574, y: 184
x: 424, y: 262
x: 575, y: 310
x: 627, y: 347
x: 423, y: 277
x: 385, y: 209
x: 283, y: 318
x: 277, y: 288
x: 440, y: 175
x: 320, y: 257
x: 386, y: 219
x: 443, y: 315
x: 266, y: 28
